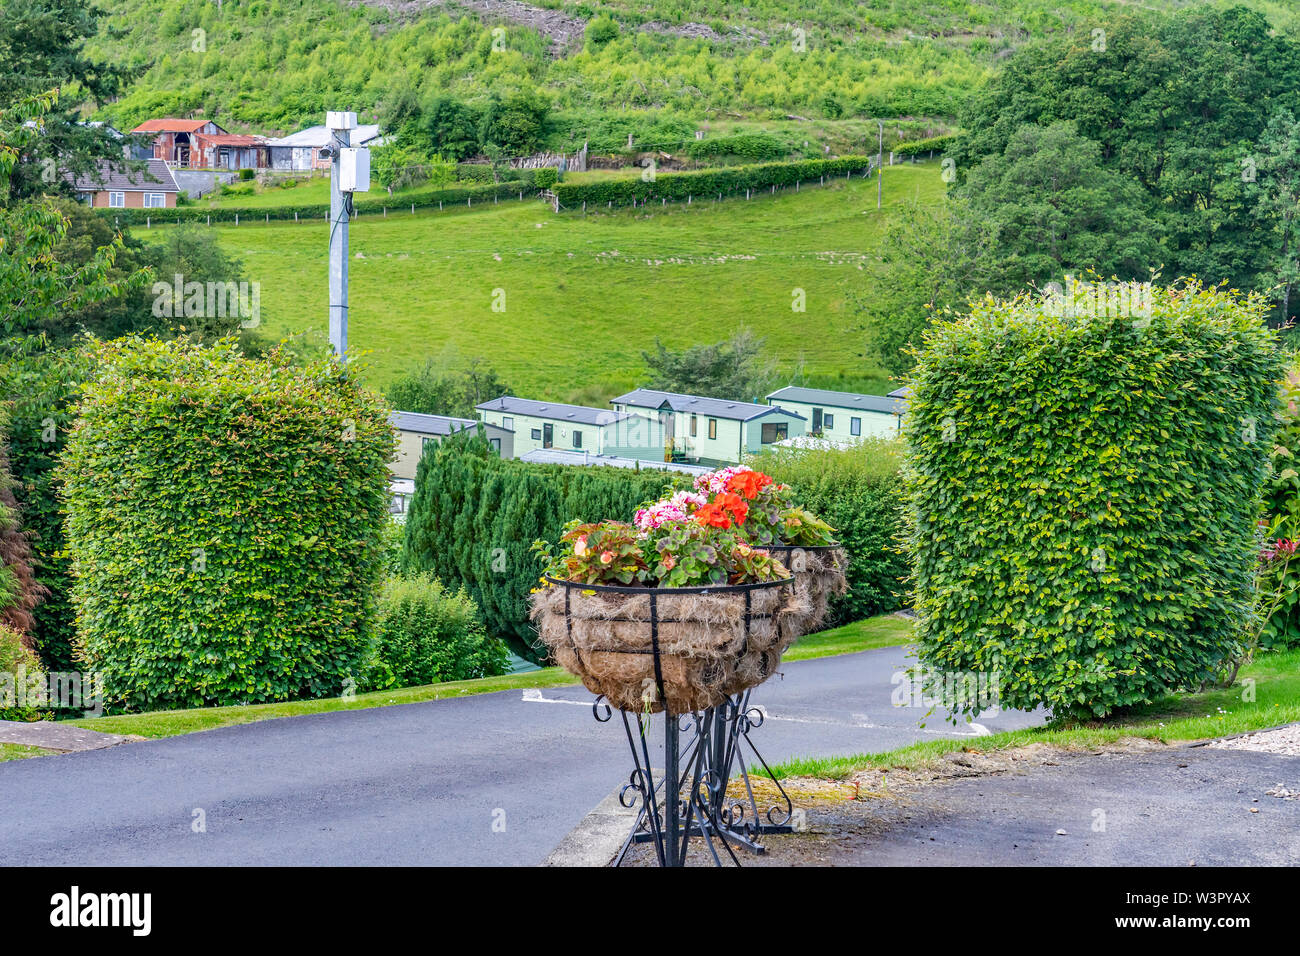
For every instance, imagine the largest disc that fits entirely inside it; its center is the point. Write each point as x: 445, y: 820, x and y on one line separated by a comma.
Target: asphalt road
x: 492, y: 779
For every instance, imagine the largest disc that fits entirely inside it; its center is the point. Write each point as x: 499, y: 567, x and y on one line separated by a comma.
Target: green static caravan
x: 843, y: 416
x: 601, y: 431
x: 713, y: 431
x: 415, y: 431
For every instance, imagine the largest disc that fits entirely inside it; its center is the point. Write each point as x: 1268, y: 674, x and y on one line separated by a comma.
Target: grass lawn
x: 859, y: 636
x: 584, y: 296
x: 1215, y: 713
x: 305, y: 192
x: 18, y: 751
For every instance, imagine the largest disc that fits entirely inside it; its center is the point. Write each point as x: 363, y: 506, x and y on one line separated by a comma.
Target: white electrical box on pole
x: 349, y: 173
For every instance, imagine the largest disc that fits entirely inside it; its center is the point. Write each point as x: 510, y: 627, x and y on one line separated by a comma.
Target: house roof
x: 235, y: 139
x: 318, y: 136
x: 850, y: 400
x: 713, y: 407
x: 168, y: 125
x: 433, y: 424
x: 904, y: 392
x: 556, y: 411
x: 158, y: 179
x: 562, y: 456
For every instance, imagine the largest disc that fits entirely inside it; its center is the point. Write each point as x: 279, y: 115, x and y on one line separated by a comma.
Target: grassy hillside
x: 584, y: 296
x: 273, y: 65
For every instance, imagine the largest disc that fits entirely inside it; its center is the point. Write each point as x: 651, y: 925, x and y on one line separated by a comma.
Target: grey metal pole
x: 338, y: 249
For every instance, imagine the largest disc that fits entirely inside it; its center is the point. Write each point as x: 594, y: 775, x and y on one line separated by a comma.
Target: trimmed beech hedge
x: 704, y: 183
x: 1083, y: 491
x: 225, y: 518
x: 364, y: 207
x: 923, y: 147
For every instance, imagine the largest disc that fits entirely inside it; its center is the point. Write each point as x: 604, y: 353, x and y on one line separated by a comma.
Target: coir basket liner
x: 686, y: 648
x: 819, y: 573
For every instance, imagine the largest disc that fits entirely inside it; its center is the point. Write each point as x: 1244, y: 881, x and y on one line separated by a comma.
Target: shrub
x: 1082, y: 494
x: 474, y: 517
x: 18, y: 665
x: 224, y: 521
x: 1282, y: 501
x: 19, y: 591
x: 856, y: 490
x: 546, y: 177
x: 926, y: 147
x: 427, y: 634
x: 42, y: 389
x: 707, y: 182
x: 753, y: 147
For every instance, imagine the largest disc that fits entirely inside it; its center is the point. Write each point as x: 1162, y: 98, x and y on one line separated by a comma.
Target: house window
x: 507, y: 422
x: 775, y: 431
x: 577, y: 439
x: 496, y: 444
x: 155, y: 201
x: 713, y: 428
x: 694, y: 425
x: 855, y: 426
x: 828, y: 421
x: 117, y: 200
x: 537, y: 434
x: 424, y: 442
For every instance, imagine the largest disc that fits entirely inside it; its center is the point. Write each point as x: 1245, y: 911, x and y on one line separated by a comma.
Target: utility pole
x: 880, y: 162
x: 349, y: 173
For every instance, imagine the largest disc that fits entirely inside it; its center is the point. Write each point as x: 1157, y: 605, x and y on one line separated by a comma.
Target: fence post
x: 439, y: 205
x: 236, y: 219
x: 385, y: 212
x: 209, y: 219
x: 268, y: 218
x: 147, y: 223
x: 295, y: 215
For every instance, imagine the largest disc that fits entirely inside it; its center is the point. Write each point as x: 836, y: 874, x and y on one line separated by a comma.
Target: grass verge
x: 1273, y: 681
x: 18, y: 751
x: 859, y: 636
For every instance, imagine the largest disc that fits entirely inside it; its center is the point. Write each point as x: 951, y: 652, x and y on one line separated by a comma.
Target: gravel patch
x: 1283, y: 740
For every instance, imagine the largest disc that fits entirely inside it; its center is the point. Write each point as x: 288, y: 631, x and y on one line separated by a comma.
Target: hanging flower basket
x: 820, y: 572
x: 681, y: 649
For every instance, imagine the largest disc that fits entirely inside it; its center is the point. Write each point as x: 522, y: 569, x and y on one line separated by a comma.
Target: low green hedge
x: 427, y: 634
x: 225, y: 522
x: 858, y: 492
x: 1083, y: 487
x: 924, y: 147
x: 704, y: 183
x: 456, y: 195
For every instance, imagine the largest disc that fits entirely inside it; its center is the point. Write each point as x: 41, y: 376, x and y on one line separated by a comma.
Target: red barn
x: 202, y: 144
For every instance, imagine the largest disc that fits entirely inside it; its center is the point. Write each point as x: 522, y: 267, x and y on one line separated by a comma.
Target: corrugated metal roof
x: 825, y: 396
x: 556, y: 411
x: 235, y: 139
x: 318, y: 136
x: 904, y: 392
x: 169, y: 125
x: 713, y: 407
x: 433, y: 424
x: 158, y: 179
x: 562, y: 456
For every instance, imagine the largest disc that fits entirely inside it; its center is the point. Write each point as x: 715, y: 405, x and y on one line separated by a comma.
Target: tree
x: 443, y: 386
x: 732, y: 369
x: 1278, y: 200
x: 450, y: 126
x: 1051, y: 207
x: 514, y: 122
x: 42, y: 47
x: 935, y: 258
x: 1173, y: 104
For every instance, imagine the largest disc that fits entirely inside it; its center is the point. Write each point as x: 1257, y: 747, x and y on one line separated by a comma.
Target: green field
x: 584, y: 295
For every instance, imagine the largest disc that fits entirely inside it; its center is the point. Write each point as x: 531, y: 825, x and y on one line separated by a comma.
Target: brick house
x: 151, y: 188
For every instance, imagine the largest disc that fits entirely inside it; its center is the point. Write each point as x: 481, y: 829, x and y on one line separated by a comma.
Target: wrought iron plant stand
x: 706, y: 742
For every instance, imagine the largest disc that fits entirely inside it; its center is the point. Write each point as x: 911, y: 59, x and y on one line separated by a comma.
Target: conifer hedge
x: 224, y: 521
x: 474, y: 517
x: 1083, y: 490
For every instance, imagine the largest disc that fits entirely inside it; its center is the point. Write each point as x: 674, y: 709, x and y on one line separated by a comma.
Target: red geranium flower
x: 748, y: 483
x: 713, y: 515
x: 733, y: 503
